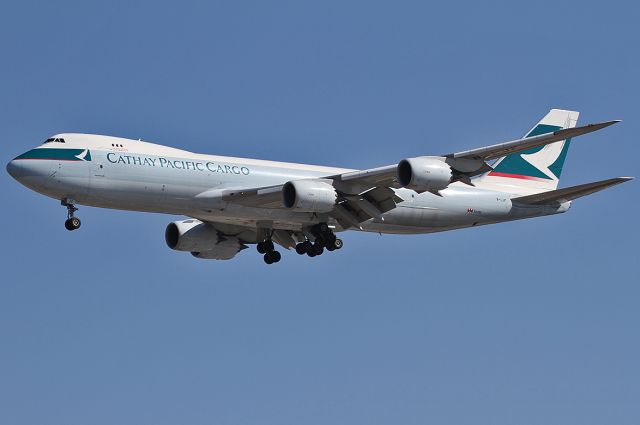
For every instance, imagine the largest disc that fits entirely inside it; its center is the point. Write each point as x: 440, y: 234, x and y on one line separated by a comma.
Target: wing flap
x: 569, y: 193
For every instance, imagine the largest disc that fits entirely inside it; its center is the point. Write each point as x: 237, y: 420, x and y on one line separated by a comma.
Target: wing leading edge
x: 502, y: 149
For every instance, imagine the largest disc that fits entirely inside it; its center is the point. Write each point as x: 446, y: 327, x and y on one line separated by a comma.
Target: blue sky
x: 533, y: 322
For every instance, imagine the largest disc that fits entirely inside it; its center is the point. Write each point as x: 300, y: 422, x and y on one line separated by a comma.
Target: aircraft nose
x: 30, y: 173
x: 14, y: 169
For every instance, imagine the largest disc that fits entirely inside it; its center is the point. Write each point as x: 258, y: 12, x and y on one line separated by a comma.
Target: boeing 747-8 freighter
x: 234, y: 202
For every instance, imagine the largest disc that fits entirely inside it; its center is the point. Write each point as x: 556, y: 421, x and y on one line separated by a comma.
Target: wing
x: 359, y: 199
x: 367, y: 194
x: 474, y: 161
x: 502, y: 149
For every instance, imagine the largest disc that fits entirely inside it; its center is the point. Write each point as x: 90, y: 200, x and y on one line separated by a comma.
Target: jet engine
x: 424, y: 174
x: 191, y: 235
x: 309, y: 196
x: 224, y: 250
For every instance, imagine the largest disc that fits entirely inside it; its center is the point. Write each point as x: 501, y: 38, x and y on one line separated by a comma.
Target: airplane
x: 234, y: 202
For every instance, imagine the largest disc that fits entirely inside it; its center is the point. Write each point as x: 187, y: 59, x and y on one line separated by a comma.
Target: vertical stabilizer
x: 535, y: 170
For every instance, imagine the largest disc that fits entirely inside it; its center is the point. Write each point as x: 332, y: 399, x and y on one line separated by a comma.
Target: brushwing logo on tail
x: 542, y: 163
x: 549, y: 160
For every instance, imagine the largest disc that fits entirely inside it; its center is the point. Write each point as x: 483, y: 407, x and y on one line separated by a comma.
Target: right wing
x: 474, y: 161
x: 367, y: 194
x: 502, y: 149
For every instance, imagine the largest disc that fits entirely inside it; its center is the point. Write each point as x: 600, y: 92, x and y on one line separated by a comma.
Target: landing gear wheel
x: 330, y: 243
x: 318, y: 249
x: 75, y: 222
x: 264, y: 247
x: 272, y: 257
x: 338, y: 243
x: 72, y: 223
x: 301, y: 248
x: 313, y: 249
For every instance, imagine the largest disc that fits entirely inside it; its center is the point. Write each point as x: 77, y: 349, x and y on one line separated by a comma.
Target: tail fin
x: 535, y: 170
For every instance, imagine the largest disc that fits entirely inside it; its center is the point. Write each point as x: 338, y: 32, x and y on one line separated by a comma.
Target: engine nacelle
x: 424, y: 174
x: 191, y: 235
x: 224, y: 250
x: 309, y: 196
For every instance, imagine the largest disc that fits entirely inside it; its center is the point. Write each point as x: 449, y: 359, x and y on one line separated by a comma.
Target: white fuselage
x: 110, y: 172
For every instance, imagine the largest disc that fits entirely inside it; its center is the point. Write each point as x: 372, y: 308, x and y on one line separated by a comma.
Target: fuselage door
x: 98, y: 164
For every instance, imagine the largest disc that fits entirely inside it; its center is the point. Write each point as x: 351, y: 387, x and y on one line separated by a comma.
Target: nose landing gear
x: 72, y: 222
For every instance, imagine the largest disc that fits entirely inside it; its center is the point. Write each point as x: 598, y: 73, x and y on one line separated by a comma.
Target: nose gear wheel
x: 72, y: 222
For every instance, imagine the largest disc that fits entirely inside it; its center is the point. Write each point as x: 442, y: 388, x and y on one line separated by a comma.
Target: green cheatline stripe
x: 57, y: 154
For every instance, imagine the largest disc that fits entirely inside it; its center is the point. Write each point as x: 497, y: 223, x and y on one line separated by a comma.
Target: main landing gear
x: 320, y: 238
x: 73, y: 222
x: 324, y: 239
x: 270, y: 254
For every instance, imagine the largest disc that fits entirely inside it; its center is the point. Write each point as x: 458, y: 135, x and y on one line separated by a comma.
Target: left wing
x: 358, y: 201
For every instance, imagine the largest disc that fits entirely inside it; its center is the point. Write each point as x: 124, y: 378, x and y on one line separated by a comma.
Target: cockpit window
x: 56, y: 140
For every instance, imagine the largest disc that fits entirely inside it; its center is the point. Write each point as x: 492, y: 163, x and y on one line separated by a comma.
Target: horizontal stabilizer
x: 569, y: 193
